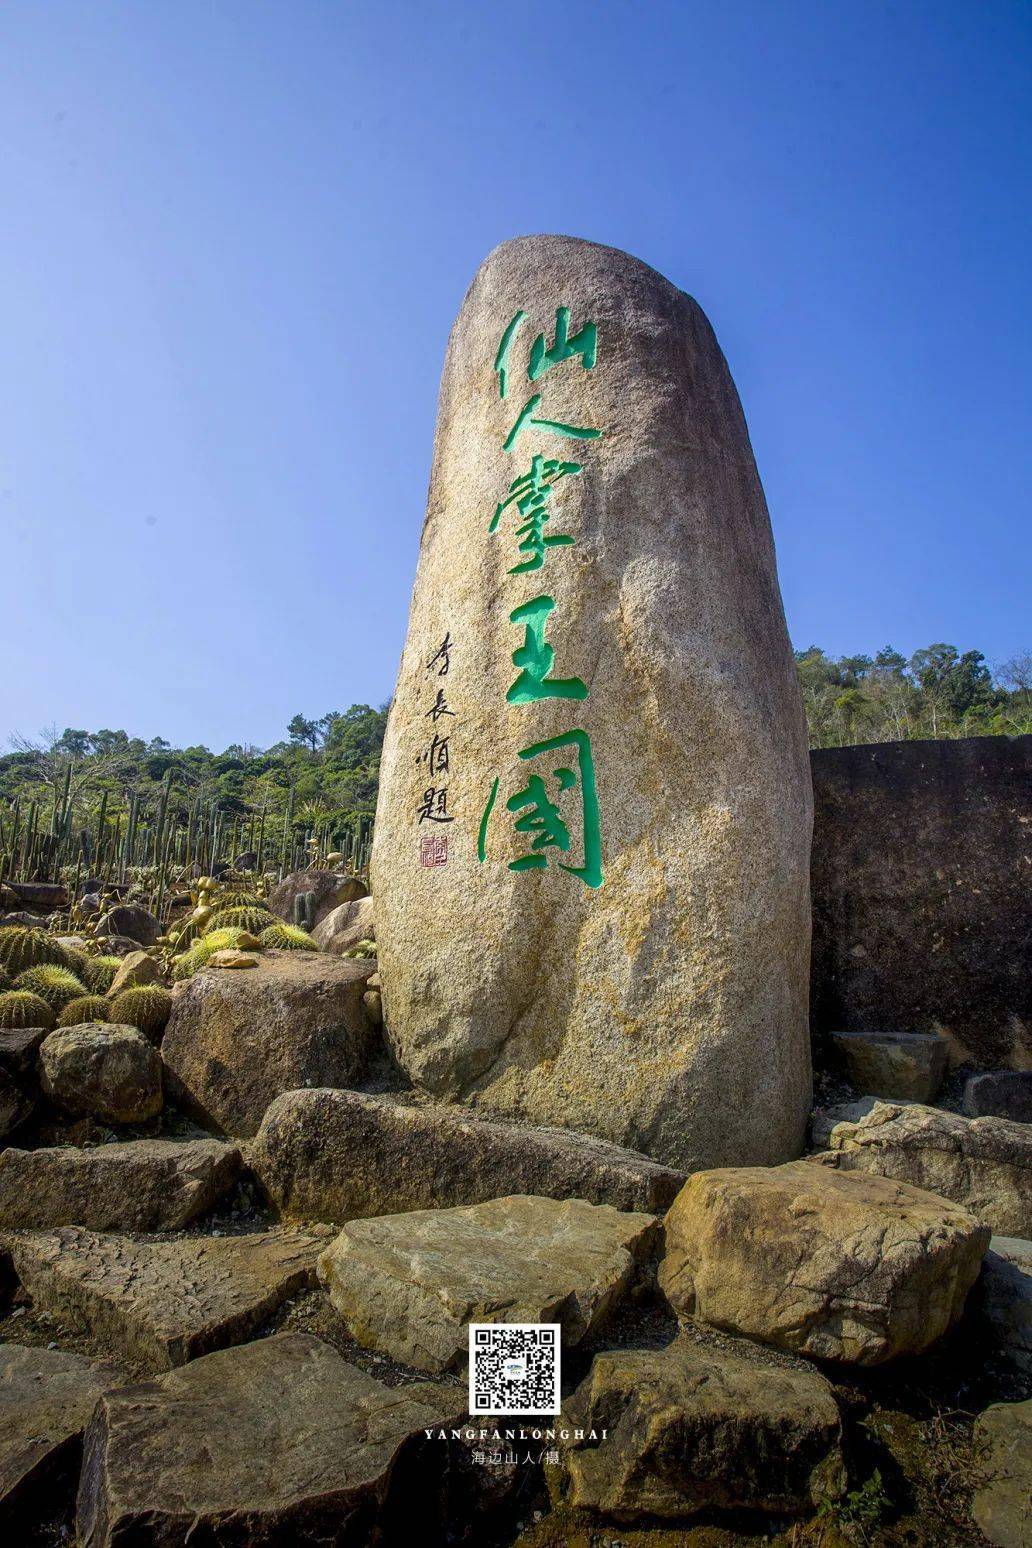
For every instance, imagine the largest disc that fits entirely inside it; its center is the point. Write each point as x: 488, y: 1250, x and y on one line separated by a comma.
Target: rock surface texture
x: 820, y: 1262
x: 907, y: 1065
x: 141, y: 1185
x: 330, y: 888
x: 279, y: 1442
x: 1003, y: 1300
x: 46, y: 1397
x: 623, y: 808
x: 408, y: 1285
x: 921, y: 902
x: 235, y: 1041
x: 104, y: 1070
x: 983, y: 1163
x: 342, y: 1155
x: 161, y: 1303
x: 345, y: 926
x: 1000, y: 1094
x: 1002, y: 1506
x: 694, y: 1429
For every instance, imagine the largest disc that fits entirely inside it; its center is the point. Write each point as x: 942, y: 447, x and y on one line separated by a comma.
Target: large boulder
x: 596, y: 756
x: 342, y: 1155
x: 104, y: 1070
x: 345, y: 926
x: 999, y: 1094
x: 130, y: 920
x: 140, y: 1185
x: 161, y: 1302
x: 409, y: 1285
x: 16, y: 1103
x: 1002, y: 1506
x: 46, y: 1398
x: 137, y: 969
x: 820, y: 1262
x: 329, y: 890
x: 281, y: 1441
x: 983, y: 1163
x: 235, y: 1041
x: 693, y: 1429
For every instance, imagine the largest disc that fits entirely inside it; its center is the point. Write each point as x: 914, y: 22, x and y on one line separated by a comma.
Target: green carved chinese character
x: 527, y: 417
x: 542, y: 816
x: 531, y: 493
x: 501, y: 364
x: 584, y: 343
x: 535, y: 657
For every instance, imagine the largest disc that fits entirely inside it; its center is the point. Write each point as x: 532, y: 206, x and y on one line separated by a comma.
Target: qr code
x: 514, y: 1368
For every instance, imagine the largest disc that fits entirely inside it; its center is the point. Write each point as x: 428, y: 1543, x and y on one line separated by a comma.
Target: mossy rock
x: 253, y: 920
x: 88, y: 1007
x: 287, y: 937
x: 18, y: 1008
x: 56, y: 985
x: 146, y: 1007
x: 22, y: 948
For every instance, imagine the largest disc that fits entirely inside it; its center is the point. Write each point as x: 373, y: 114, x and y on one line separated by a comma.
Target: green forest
x: 104, y: 799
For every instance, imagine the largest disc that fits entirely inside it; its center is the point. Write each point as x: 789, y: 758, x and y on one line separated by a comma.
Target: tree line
x: 93, y: 794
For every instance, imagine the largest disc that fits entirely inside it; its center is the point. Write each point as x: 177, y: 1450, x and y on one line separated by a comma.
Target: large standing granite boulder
x: 279, y: 1442
x: 823, y: 1263
x: 409, y: 1285
x: 983, y: 1163
x: 596, y: 755
x: 693, y: 1429
x: 342, y: 1155
x: 236, y: 1040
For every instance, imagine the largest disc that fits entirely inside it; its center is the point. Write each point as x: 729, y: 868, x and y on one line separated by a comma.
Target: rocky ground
x: 236, y: 1272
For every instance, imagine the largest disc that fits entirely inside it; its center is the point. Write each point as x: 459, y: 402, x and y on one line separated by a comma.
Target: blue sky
x: 236, y: 234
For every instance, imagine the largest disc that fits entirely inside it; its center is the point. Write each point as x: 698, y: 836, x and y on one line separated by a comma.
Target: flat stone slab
x: 983, y: 1163
x: 137, y: 1185
x: 278, y: 1441
x: 341, y: 1155
x: 410, y: 1284
x: 1000, y: 1094
x: 162, y: 1303
x: 693, y: 1429
x: 824, y: 1263
x: 909, y: 1066
x: 46, y: 1398
x: 1002, y: 1507
x: 1003, y: 1300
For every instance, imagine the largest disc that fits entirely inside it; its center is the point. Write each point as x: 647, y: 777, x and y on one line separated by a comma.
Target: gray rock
x: 342, y: 1155
x: 280, y: 1441
x: 409, y: 1285
x: 161, y: 1303
x: 983, y: 1163
x: 824, y: 1263
x: 46, y: 1398
x: 237, y: 1040
x: 141, y: 1185
x: 18, y: 1049
x: 102, y: 1069
x: 906, y: 1065
x: 666, y: 1008
x: 136, y: 970
x: 1002, y: 1506
x: 129, y: 919
x: 345, y: 926
x: 1003, y: 1300
x: 694, y: 1429
x: 330, y: 889
x: 1000, y: 1094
